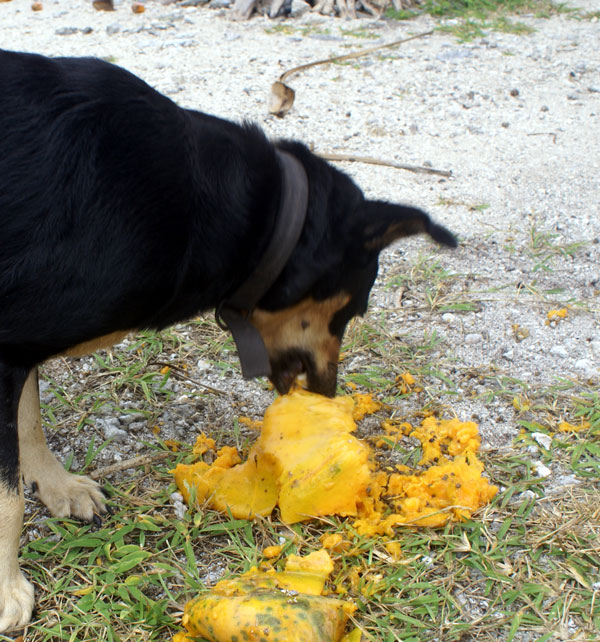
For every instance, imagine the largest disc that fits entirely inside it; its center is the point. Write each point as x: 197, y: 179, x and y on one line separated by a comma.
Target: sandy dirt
x: 515, y: 118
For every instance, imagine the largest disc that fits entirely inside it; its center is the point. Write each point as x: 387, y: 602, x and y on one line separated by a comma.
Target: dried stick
x: 418, y: 169
x: 134, y: 462
x: 350, y: 56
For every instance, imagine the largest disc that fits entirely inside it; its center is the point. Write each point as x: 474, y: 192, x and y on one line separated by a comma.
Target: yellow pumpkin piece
x: 246, y: 490
x: 203, y: 444
x: 305, y: 459
x: 449, y: 490
x: 408, y: 379
x: 302, y: 575
x: 556, y: 315
x: 253, y: 424
x: 191, y: 476
x: 308, y: 574
x: 353, y: 636
x: 267, y: 616
x: 395, y: 550
x: 227, y: 457
x: 324, y: 469
x: 271, y: 606
x: 364, y: 404
x: 272, y: 551
x: 565, y: 426
x: 172, y: 445
x: 334, y: 542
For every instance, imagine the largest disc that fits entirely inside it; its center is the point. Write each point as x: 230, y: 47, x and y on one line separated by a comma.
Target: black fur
x: 121, y: 210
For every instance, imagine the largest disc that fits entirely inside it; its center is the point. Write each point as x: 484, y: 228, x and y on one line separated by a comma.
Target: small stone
x: 447, y: 317
x: 138, y: 7
x: 544, y: 440
x: 526, y: 494
x: 66, y: 31
x: 37, y: 6
x: 111, y: 30
x: 541, y: 470
x: 586, y: 367
x: 545, y: 108
x: 131, y: 418
x: 203, y: 366
x: 514, y: 93
x: 112, y: 432
x: 299, y: 8
x: 505, y: 125
x: 473, y: 337
x: 559, y: 351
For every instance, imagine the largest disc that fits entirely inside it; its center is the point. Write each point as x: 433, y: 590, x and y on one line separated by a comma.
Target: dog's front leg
x: 62, y: 492
x: 16, y: 593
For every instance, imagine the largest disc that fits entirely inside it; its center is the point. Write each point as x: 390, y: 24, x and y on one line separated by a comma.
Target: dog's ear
x: 384, y: 223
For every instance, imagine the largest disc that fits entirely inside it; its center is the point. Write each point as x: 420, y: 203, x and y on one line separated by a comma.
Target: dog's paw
x: 16, y: 601
x: 68, y: 495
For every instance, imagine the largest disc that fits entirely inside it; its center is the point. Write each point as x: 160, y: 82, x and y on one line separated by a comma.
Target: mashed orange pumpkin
x: 307, y: 462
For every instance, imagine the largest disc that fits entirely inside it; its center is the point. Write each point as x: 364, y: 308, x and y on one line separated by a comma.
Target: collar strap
x: 233, y: 313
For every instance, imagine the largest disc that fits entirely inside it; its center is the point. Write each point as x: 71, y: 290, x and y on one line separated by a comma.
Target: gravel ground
x: 516, y: 118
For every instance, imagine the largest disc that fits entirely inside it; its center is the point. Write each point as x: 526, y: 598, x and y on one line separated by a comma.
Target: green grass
x: 470, y: 19
x: 525, y: 568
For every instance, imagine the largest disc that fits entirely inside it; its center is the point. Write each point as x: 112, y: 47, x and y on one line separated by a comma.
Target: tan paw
x: 68, y: 495
x: 16, y: 601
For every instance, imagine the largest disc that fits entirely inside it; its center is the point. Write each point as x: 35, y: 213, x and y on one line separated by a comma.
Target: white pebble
x: 473, y: 338
x: 559, y: 351
x: 586, y: 367
x: 541, y: 470
x: 202, y: 365
x: 544, y: 440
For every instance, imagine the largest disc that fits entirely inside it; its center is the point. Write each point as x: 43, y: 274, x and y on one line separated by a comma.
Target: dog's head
x: 330, y: 274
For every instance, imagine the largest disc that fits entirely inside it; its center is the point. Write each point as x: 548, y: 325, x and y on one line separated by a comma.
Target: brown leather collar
x: 234, y: 312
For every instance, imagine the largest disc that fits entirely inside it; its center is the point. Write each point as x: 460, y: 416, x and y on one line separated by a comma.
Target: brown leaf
x: 103, y: 5
x: 282, y: 99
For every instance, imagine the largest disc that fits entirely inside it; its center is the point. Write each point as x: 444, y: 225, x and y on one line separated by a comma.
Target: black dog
x: 118, y: 211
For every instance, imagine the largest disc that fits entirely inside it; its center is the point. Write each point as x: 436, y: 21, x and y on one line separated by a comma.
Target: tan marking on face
x: 87, y: 347
x: 304, y: 326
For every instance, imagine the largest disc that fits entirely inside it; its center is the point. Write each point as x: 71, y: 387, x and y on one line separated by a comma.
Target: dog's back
x: 113, y: 201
